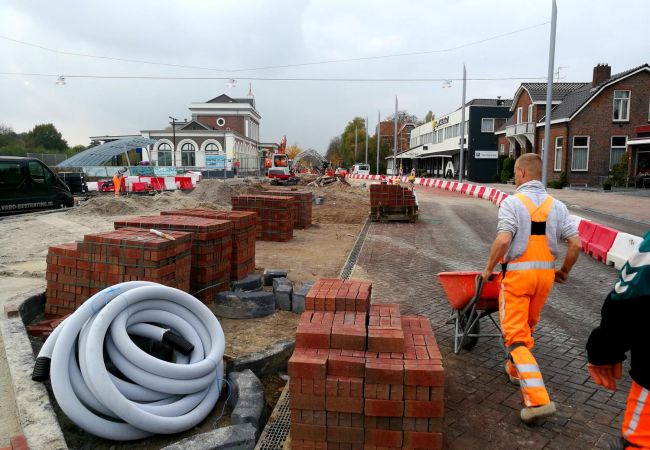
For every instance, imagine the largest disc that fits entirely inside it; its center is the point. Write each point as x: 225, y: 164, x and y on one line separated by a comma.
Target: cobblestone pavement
x: 481, y: 407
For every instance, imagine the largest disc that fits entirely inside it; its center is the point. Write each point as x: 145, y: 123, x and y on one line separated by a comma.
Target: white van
x: 361, y: 169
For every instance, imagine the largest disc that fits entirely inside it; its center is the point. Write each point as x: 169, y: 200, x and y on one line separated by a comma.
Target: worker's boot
x: 512, y: 374
x: 533, y: 413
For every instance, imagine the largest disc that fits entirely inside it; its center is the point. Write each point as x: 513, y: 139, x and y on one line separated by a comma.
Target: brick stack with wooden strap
x: 77, y: 271
x: 358, y: 386
x: 302, y: 205
x: 274, y: 215
x: 242, y: 262
x: 211, y: 249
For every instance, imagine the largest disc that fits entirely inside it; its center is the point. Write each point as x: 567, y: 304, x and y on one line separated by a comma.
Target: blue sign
x: 164, y: 171
x: 215, y: 161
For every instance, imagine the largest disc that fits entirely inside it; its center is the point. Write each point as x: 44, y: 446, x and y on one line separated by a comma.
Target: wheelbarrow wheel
x: 470, y: 341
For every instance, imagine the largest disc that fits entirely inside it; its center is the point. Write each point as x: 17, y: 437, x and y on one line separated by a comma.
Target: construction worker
x: 531, y: 223
x: 117, y: 183
x: 622, y: 328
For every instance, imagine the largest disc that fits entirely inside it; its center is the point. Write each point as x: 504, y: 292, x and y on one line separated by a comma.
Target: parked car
x: 26, y: 184
x: 75, y: 181
x: 361, y: 169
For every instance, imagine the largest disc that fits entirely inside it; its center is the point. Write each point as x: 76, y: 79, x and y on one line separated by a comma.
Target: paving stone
x: 234, y: 437
x: 270, y: 274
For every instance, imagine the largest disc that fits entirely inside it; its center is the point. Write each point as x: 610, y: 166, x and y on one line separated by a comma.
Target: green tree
x: 404, y: 117
x: 429, y: 117
x: 46, y: 136
x: 346, y: 150
x: 333, y: 149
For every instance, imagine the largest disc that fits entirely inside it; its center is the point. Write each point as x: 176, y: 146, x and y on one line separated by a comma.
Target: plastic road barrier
x: 162, y: 397
x: 601, y: 242
x: 586, y: 231
x: 624, y: 246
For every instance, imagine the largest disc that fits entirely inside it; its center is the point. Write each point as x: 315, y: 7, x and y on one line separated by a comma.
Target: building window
x: 621, y: 106
x: 541, y: 149
x: 188, y: 155
x: 580, y: 155
x: 557, y: 162
x: 619, y: 144
x: 520, y: 114
x: 221, y: 121
x: 246, y: 127
x: 502, y: 149
x: 487, y: 125
x: 212, y: 148
x: 164, y: 154
x: 530, y: 113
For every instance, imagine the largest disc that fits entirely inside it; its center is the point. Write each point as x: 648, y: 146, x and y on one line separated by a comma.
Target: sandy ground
x: 319, y: 251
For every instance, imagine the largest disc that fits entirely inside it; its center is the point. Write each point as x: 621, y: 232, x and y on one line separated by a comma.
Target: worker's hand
x: 487, y: 275
x: 607, y: 375
x: 561, y: 276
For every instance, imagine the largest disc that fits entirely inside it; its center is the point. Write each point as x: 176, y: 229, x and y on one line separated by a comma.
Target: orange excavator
x: 278, y: 167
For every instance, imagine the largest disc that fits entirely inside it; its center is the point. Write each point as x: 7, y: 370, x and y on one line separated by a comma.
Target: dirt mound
x: 108, y: 205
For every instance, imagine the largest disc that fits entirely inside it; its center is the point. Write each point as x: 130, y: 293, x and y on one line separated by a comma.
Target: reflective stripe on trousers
x: 636, y: 422
x: 530, y: 378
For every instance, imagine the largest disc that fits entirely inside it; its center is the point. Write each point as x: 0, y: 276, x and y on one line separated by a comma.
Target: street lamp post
x: 173, y: 140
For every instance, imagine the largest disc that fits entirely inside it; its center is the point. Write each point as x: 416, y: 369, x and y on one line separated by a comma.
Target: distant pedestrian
x: 622, y: 328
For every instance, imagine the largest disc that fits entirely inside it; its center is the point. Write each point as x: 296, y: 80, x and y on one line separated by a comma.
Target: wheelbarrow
x: 471, y: 299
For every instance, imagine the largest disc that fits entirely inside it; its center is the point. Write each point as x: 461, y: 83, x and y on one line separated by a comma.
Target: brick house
x: 592, y: 124
x: 387, y: 134
x: 221, y: 130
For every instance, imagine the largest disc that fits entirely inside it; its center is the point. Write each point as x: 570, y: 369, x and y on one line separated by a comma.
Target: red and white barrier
x: 624, y: 246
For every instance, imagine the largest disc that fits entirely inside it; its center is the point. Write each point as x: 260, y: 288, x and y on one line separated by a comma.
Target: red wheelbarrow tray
x: 460, y: 288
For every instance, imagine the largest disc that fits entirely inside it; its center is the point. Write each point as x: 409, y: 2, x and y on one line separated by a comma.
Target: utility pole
x: 173, y: 140
x: 549, y: 93
x: 395, y: 171
x: 355, y: 144
x: 378, y: 139
x: 366, y: 139
x: 462, y: 129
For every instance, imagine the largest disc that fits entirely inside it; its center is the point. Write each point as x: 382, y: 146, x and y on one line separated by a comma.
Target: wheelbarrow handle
x: 478, y: 289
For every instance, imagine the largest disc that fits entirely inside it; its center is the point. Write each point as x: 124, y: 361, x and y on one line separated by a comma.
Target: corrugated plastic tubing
x: 161, y: 397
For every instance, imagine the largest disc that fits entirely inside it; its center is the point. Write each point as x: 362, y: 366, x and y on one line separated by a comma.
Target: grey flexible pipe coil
x: 161, y: 397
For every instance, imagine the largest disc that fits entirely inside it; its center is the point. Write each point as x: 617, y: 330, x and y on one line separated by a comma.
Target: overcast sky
x: 228, y: 34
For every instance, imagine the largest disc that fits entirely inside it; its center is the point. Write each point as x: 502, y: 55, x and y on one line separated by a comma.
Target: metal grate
x: 277, y: 428
x: 354, y: 253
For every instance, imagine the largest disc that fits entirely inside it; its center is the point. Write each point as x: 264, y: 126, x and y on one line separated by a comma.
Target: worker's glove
x: 606, y: 375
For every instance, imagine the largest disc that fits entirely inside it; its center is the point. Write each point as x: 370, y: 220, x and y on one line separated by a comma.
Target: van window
x: 39, y: 173
x: 364, y: 167
x: 11, y: 176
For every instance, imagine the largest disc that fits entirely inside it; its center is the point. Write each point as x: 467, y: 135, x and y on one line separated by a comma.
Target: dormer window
x: 621, y: 106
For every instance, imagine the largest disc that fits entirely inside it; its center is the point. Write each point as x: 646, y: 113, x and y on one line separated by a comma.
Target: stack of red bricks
x: 358, y: 386
x: 302, y: 204
x: 77, y: 271
x: 242, y: 262
x: 274, y: 215
x: 211, y: 249
x: 391, y: 195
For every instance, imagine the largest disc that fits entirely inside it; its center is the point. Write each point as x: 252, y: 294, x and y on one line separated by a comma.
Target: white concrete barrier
x: 170, y: 183
x: 623, y: 247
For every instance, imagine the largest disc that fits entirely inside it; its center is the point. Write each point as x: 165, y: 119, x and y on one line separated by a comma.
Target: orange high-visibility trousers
x: 636, y: 422
x: 523, y: 291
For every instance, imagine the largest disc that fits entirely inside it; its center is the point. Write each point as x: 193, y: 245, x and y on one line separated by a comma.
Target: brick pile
x: 77, y: 271
x: 274, y: 215
x: 242, y: 262
x: 302, y: 206
x: 211, y: 249
x: 391, y: 195
x: 358, y: 386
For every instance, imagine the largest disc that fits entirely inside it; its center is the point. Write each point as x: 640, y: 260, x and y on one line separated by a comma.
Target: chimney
x: 602, y: 72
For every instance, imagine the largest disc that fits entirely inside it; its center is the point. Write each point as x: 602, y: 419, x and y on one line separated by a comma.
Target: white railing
x: 520, y: 128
